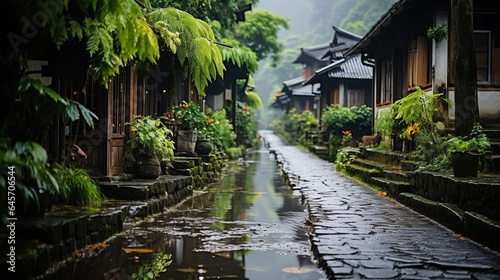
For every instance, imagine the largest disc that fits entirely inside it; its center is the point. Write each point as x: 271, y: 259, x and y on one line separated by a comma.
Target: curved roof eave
x: 374, y: 31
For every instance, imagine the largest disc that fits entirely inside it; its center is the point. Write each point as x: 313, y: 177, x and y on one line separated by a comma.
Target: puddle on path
x: 249, y: 226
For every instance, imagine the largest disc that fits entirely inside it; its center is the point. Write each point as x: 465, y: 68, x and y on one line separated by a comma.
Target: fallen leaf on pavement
x: 137, y: 250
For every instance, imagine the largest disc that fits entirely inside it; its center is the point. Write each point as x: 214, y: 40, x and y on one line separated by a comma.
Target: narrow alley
x: 360, y: 234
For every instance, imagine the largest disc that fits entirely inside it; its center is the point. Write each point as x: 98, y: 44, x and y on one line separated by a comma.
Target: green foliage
x: 355, y: 119
x: 221, y: 131
x: 223, y: 12
x: 337, y: 119
x: 245, y: 125
x: 385, y: 124
x: 115, y: 33
x: 253, y: 100
x: 235, y: 152
x: 475, y: 142
x: 76, y: 187
x: 191, y: 40
x: 293, y: 127
x: 190, y: 116
x: 34, y: 108
x: 151, y: 137
x: 260, y: 33
x: 345, y: 156
x: 418, y: 108
x: 239, y: 55
x: 151, y: 270
x: 26, y: 164
x: 439, y: 32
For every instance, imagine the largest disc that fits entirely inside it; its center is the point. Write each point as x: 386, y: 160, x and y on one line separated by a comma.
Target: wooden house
x: 294, y: 93
x: 149, y: 91
x: 403, y: 56
x: 329, y: 77
x: 346, y: 81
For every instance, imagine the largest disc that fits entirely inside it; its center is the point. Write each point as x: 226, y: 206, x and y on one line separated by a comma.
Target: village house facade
x: 345, y: 81
x: 403, y: 56
x: 147, y: 91
x: 329, y: 77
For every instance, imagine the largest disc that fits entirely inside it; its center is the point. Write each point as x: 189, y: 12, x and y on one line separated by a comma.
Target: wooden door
x: 118, y: 115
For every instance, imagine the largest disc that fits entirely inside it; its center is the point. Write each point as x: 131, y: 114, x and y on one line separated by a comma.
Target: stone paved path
x: 359, y: 234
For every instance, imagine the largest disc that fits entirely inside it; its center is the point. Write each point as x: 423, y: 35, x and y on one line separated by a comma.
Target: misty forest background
x: 311, y: 24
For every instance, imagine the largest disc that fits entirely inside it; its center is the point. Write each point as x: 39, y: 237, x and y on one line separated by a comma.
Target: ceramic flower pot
x: 186, y: 141
x: 203, y: 147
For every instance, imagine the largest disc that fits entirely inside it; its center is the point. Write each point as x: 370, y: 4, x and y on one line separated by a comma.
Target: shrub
x: 25, y: 164
x: 190, y: 116
x: 150, y: 137
x: 345, y: 156
x: 293, y: 127
x: 355, y: 119
x: 76, y: 187
x: 221, y: 131
x: 246, y: 127
x: 415, y: 113
x: 337, y: 119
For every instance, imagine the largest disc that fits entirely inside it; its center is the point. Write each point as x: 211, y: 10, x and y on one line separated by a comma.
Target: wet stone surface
x: 249, y: 226
x: 361, y: 235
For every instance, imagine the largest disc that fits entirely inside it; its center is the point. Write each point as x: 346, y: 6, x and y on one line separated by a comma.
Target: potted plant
x: 149, y: 142
x: 190, y: 120
x: 205, y: 138
x: 467, y: 151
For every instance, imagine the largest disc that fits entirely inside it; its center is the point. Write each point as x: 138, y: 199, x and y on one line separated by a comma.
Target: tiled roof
x: 315, y: 52
x: 294, y: 81
x: 297, y: 88
x: 348, y: 68
x: 352, y: 68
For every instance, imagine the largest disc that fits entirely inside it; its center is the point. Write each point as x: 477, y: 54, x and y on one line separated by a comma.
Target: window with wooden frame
x: 482, y: 40
x: 485, y: 70
x: 419, y: 70
x: 385, y: 81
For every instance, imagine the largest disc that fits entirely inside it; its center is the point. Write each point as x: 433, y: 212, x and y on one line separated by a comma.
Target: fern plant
x: 192, y: 40
x: 239, y: 56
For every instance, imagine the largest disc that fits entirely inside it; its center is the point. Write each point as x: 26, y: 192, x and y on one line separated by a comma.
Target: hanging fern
x: 239, y: 56
x: 115, y: 32
x: 191, y: 40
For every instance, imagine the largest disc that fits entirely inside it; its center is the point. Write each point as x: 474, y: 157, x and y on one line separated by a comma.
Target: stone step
x: 363, y: 173
x: 385, y: 157
x: 143, y: 189
x: 370, y: 164
x: 447, y: 214
x: 395, y: 175
x: 495, y: 148
x: 495, y: 163
x: 318, y: 149
x: 409, y: 165
x: 492, y: 133
x: 392, y: 188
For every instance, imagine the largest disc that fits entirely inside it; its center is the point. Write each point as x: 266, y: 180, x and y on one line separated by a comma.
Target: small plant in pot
x: 205, y: 138
x: 467, y: 152
x: 150, y: 141
x: 191, y: 121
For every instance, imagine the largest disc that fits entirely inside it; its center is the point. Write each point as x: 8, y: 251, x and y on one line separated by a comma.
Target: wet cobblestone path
x: 248, y: 226
x: 361, y: 235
